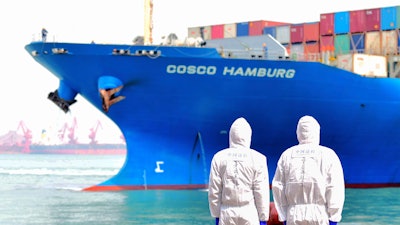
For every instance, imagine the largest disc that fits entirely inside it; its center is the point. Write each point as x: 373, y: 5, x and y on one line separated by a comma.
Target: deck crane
x: 93, y: 132
x: 148, y: 22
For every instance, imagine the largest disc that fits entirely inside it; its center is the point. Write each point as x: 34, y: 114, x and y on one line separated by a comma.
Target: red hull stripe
x: 202, y: 186
x: 373, y: 185
x: 141, y: 187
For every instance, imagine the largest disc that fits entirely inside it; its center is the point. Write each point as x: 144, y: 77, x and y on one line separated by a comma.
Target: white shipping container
x: 206, y: 32
x: 366, y: 65
x: 297, y: 52
x: 373, y: 43
x: 389, y: 42
x: 193, y: 32
x: 283, y: 34
x: 230, y: 30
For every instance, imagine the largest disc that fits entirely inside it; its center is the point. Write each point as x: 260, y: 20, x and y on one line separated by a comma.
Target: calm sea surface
x: 46, y: 189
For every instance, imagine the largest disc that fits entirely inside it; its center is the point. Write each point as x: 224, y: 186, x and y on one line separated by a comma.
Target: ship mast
x: 148, y: 22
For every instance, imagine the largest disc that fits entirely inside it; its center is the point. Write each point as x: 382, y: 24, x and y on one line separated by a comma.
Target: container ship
x: 20, y: 142
x: 174, y: 102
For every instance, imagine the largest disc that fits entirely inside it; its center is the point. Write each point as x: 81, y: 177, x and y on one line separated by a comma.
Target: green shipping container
x: 342, y: 44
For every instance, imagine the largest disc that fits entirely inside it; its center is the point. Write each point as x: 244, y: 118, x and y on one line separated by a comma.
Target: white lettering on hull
x: 259, y: 72
x: 191, y: 69
x: 158, y: 167
x: 231, y: 71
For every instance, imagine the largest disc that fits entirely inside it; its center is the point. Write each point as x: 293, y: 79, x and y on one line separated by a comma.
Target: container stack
x: 367, y: 31
x: 232, y: 30
x: 304, y: 41
x: 327, y: 31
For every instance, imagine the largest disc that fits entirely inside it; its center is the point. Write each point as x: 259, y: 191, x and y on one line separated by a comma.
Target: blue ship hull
x: 179, y: 103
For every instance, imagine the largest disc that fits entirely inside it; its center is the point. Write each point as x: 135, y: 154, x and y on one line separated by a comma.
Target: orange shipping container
x: 312, y: 47
x: 312, y: 51
x: 311, y: 31
x: 327, y: 43
x: 256, y: 27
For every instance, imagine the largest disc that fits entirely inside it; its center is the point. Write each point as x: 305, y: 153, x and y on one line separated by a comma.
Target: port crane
x: 93, y: 132
x: 27, y: 135
x: 61, y: 132
x: 71, y: 132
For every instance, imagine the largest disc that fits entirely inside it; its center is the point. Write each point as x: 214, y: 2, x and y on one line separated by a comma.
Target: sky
x: 24, y: 84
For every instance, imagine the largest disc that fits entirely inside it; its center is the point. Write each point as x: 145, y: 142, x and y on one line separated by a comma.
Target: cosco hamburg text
x: 232, y: 71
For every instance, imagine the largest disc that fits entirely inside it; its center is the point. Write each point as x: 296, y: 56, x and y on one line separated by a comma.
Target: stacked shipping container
x: 370, y: 31
x: 304, y: 41
x: 218, y: 31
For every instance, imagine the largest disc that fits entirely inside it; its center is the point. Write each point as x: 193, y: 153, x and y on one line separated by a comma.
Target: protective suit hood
x: 308, y: 130
x: 240, y: 134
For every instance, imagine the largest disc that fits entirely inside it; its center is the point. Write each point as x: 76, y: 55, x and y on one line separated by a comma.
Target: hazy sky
x: 25, y: 84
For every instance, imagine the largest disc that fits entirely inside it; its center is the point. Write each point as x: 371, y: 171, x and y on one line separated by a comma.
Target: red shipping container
x: 217, y: 31
x: 373, y: 19
x: 311, y: 31
x: 326, y: 25
x: 326, y: 43
x: 357, y: 21
x: 297, y: 33
x: 257, y: 27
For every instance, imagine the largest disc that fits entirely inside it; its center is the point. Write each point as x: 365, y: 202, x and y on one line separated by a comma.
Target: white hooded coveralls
x: 239, y: 182
x: 308, y: 185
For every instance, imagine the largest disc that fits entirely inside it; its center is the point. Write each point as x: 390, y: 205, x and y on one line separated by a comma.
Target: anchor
x: 109, y: 89
x: 109, y: 98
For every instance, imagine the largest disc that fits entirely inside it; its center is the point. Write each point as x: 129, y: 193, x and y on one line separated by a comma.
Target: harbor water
x: 46, y: 189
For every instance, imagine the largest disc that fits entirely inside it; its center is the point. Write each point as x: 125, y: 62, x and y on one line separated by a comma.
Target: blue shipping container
x: 342, y: 22
x: 389, y: 18
x: 270, y: 30
x: 357, y: 43
x: 242, y: 29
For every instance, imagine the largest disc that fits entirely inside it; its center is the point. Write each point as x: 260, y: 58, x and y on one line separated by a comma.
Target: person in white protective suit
x: 308, y: 185
x: 238, y: 190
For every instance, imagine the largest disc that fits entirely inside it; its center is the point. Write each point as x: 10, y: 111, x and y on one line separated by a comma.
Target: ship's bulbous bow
x: 63, y: 97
